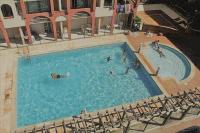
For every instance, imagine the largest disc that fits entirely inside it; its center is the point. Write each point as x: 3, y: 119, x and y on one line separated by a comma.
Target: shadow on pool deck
x: 188, y: 44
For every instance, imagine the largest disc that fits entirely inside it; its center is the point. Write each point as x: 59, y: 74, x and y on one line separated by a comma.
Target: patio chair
x: 107, y: 27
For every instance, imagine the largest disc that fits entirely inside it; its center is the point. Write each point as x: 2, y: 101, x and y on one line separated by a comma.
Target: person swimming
x: 108, y: 59
x: 155, y: 44
x: 111, y: 72
x: 55, y: 76
x: 160, y: 52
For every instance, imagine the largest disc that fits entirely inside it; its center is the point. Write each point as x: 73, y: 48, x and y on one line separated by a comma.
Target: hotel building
x: 30, y: 21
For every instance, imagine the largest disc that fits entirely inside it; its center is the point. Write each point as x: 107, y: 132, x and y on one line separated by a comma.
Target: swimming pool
x: 88, y: 83
x: 174, y: 64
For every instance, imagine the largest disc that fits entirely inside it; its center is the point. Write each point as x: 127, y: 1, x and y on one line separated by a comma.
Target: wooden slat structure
x: 146, y: 112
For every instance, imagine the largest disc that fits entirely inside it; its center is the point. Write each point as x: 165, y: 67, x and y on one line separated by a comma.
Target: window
x: 64, y: 5
x: 38, y: 6
x: 81, y: 3
x: 6, y: 11
x: 98, y: 3
x: 108, y: 3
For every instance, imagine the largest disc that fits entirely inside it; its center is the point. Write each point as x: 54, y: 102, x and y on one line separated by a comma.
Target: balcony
x: 76, y: 4
x: 38, y: 6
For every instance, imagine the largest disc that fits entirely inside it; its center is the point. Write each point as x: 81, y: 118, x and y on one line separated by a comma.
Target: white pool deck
x: 8, y: 65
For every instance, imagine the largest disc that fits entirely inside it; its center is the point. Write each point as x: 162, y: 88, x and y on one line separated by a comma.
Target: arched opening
x: 7, y: 11
x: 81, y: 25
x: 41, y: 30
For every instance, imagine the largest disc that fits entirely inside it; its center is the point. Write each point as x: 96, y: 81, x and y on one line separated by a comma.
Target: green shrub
x: 137, y: 19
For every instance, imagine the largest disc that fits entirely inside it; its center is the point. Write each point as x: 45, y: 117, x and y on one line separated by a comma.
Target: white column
x: 61, y: 23
x: 61, y: 30
x: 99, y: 24
x: 60, y: 5
x: 21, y: 35
x: 102, y: 3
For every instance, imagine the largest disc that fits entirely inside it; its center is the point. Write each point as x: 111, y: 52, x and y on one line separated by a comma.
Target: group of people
x: 136, y: 63
x: 156, y: 47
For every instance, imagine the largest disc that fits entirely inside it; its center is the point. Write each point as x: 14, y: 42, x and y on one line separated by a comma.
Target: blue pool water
x: 88, y: 84
x: 174, y: 64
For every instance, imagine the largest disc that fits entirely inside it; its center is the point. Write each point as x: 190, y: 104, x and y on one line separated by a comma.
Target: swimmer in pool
x: 55, y: 76
x: 111, y: 72
x: 108, y: 59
